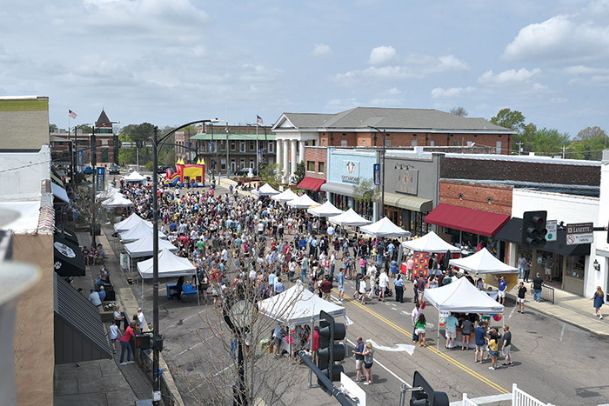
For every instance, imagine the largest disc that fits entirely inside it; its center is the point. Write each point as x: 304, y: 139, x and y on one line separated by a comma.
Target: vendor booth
x: 349, y: 218
x: 461, y: 296
x: 384, y: 228
x: 130, y: 222
x: 485, y: 263
x: 134, y: 177
x: 302, y: 202
x: 170, y: 266
x: 285, y: 196
x: 266, y: 190
x: 143, y: 247
x: 117, y: 200
x: 423, y: 248
x: 325, y: 210
x: 139, y: 231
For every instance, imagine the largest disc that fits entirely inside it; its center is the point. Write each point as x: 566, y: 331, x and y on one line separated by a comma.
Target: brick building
x: 395, y: 127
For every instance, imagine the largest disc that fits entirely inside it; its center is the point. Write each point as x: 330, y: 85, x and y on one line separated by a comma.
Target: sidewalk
x: 573, y: 309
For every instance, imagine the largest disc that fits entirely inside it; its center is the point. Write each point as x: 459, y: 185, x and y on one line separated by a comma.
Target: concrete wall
x: 428, y: 166
x: 34, y: 349
x: 561, y: 207
x: 25, y: 123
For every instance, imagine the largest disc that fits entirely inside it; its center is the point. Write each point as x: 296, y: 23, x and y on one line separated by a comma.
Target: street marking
x: 409, y: 348
x: 562, y: 332
x: 376, y: 361
x: 485, y: 399
x: 512, y: 312
x: 440, y: 354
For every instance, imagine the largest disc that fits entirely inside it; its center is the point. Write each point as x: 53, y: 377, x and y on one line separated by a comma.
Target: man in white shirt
x: 141, y: 319
x: 94, y: 298
x: 383, y: 283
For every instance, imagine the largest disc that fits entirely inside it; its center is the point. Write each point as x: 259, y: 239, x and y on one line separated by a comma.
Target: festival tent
x: 130, y: 222
x: 117, y: 200
x: 105, y: 194
x: 482, y: 262
x: 134, y: 177
x: 325, y: 210
x: 297, y: 305
x: 349, y: 218
x: 170, y: 266
x: 143, y: 247
x: 266, y: 190
x: 302, y: 202
x: 461, y: 296
x: 285, y: 196
x: 431, y: 243
x: 384, y: 228
x: 140, y: 230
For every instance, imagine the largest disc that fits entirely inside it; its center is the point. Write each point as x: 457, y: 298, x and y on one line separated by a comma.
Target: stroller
x: 377, y: 291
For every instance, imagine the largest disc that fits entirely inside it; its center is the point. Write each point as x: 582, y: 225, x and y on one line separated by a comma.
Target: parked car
x: 246, y: 171
x: 114, y: 169
x: 87, y: 170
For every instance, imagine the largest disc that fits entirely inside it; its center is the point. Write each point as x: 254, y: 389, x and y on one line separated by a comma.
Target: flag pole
x: 257, y: 151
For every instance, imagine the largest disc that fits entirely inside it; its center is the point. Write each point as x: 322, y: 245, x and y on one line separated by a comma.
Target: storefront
x: 349, y: 180
x: 411, y: 188
x: 312, y: 186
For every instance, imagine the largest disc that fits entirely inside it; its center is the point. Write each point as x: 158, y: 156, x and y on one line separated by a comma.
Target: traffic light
x: 424, y: 395
x: 330, y: 350
x: 534, y: 228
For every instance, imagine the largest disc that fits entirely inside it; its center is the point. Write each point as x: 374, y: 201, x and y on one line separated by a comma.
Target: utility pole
x: 564, y: 151
x: 93, y: 185
x: 227, y: 151
x: 519, y: 143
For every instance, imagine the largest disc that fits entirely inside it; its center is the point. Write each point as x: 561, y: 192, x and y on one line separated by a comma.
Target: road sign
x: 580, y: 233
x: 552, y: 227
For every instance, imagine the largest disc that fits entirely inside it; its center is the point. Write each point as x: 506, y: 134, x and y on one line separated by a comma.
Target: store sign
x: 580, y: 233
x: 552, y: 229
x: 407, y: 181
x: 350, y: 172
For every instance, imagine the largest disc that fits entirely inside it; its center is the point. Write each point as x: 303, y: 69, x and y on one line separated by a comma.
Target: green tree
x: 549, y: 141
x: 270, y: 173
x: 52, y: 128
x: 589, y: 144
x: 459, y: 111
x: 512, y: 119
x: 300, y: 173
x: 366, y: 192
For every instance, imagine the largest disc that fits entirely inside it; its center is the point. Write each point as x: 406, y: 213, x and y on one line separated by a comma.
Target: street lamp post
x: 383, y: 150
x: 93, y: 186
x: 157, y: 341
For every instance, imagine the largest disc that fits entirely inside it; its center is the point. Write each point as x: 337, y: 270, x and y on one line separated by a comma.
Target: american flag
x: 72, y: 114
x: 259, y: 120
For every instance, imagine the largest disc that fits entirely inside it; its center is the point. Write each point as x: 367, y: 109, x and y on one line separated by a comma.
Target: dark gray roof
x: 79, y: 332
x: 395, y: 118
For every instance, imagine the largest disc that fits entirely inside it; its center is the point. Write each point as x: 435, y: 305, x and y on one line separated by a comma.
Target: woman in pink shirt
x: 125, y: 341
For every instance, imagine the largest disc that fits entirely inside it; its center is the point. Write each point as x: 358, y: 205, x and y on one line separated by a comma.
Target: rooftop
x: 221, y: 136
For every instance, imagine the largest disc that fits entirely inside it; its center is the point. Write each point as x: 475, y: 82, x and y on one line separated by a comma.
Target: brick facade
x: 521, y: 171
x: 478, y: 196
x: 316, y: 155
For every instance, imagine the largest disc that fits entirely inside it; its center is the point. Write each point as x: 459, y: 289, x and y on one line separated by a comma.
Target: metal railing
x: 467, y: 401
x: 521, y: 398
x: 547, y: 293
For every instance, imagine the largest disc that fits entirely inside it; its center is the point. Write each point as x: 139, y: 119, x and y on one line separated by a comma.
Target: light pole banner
x: 376, y: 168
x: 100, y: 180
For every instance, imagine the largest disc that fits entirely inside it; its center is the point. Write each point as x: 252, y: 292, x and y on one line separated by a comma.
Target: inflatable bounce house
x: 192, y: 175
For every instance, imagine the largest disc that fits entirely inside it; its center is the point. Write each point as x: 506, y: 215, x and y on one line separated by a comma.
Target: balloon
x: 497, y: 317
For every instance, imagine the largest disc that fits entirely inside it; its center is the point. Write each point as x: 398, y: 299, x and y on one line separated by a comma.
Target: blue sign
x: 377, y: 174
x: 100, y: 179
x: 349, y: 167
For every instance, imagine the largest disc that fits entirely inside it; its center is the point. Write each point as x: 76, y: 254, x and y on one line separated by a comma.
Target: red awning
x: 312, y: 184
x: 468, y: 220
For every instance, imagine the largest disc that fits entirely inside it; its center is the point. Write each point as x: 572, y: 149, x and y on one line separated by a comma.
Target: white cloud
x: 381, y: 55
x: 321, y: 50
x: 394, y: 91
x: 450, y: 62
x: 561, y: 38
x: 510, y: 76
x: 440, y: 93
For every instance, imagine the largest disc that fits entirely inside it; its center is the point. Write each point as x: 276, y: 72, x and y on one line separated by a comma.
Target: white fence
x: 519, y: 398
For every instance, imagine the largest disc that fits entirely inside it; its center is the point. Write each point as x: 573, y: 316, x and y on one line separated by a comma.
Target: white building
x: 598, y: 272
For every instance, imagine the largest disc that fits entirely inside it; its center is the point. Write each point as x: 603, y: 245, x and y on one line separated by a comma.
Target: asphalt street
x: 553, y: 361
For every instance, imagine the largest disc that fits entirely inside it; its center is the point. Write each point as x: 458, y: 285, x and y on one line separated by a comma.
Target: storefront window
x: 576, y: 266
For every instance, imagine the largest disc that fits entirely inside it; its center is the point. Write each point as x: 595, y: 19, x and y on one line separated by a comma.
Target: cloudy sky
x: 172, y: 61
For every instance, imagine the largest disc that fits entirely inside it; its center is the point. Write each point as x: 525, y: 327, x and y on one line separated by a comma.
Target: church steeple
x: 103, y: 121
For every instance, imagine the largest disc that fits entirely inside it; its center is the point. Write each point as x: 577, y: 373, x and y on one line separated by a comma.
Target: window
x: 270, y: 146
x: 498, y: 147
x: 223, y: 164
x: 233, y: 146
x: 252, y: 164
x: 242, y: 146
x: 241, y: 163
x: 321, y: 167
x: 104, y: 142
x: 432, y: 143
x: 343, y: 143
x: 413, y: 143
x: 252, y: 145
x: 387, y: 142
x: 311, y: 166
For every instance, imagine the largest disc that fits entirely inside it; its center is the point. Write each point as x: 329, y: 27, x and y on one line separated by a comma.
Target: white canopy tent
x: 266, y: 190
x: 297, y: 305
x: 461, y: 296
x: 140, y: 230
x: 285, y: 196
x: 302, y: 202
x: 170, y: 266
x: 431, y: 243
x: 134, y: 177
x: 482, y: 262
x: 349, y: 218
x: 325, y: 210
x: 105, y: 194
x: 117, y: 200
x: 384, y: 228
x: 143, y: 247
x: 130, y: 222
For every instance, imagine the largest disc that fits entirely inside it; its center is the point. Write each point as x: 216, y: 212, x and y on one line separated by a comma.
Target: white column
x: 278, y: 145
x: 301, y: 149
x: 286, y: 165
x: 293, y: 157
